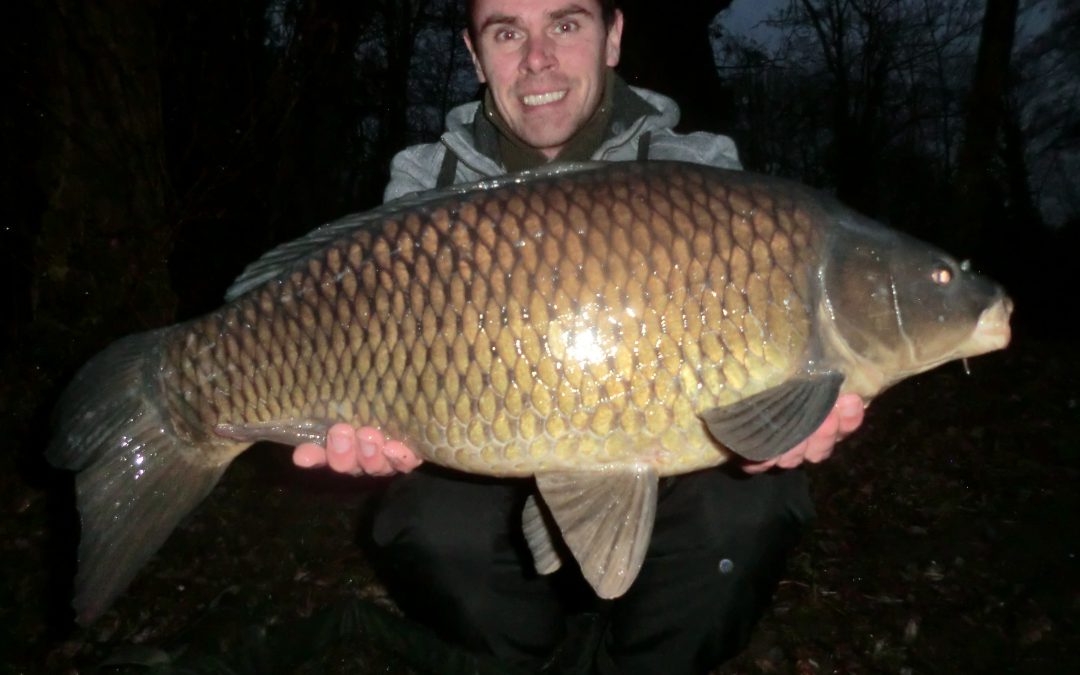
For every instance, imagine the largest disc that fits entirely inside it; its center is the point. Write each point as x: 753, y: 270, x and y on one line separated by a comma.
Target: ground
x: 945, y: 542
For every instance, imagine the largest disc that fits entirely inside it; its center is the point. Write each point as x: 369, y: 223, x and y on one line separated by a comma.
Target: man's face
x: 544, y: 62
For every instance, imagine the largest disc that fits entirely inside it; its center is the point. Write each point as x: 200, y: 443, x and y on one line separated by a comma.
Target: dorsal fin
x: 282, y: 258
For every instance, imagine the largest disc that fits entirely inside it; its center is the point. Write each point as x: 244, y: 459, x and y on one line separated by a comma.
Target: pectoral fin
x: 775, y: 420
x: 606, y: 518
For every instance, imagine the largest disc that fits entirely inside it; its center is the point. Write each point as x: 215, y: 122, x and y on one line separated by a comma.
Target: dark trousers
x: 451, y: 550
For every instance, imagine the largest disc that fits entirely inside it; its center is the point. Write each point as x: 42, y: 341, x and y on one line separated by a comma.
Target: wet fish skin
x: 539, y: 327
x: 594, y: 328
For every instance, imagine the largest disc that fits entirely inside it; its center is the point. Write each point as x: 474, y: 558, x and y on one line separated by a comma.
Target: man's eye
x: 505, y: 35
x: 566, y: 27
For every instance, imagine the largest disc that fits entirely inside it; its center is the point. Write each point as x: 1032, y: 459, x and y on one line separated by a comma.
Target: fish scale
x: 593, y: 327
x: 483, y: 331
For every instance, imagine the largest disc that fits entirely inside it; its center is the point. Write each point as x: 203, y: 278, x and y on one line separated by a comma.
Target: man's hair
x: 607, y: 14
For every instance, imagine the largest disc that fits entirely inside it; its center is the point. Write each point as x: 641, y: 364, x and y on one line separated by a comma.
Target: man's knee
x: 438, y: 515
x: 719, y: 509
x: 433, y: 531
x: 446, y: 549
x: 718, y: 552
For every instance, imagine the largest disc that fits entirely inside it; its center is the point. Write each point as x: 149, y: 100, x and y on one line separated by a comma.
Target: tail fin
x: 137, y: 477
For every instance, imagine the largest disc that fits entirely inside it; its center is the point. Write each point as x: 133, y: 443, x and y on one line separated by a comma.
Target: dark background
x: 152, y: 149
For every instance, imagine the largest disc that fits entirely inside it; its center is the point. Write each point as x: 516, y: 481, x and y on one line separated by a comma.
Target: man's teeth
x: 541, y: 99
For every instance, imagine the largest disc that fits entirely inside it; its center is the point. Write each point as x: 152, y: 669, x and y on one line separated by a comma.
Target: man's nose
x: 539, y: 53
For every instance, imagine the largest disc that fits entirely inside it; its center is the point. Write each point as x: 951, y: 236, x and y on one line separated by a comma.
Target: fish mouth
x: 533, y: 100
x: 992, y: 332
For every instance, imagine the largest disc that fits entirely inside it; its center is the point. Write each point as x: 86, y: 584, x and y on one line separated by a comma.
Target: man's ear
x: 475, y: 59
x: 613, y: 43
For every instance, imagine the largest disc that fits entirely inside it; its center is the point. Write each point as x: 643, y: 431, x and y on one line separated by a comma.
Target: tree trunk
x: 978, y: 195
x: 319, y: 122
x: 100, y: 255
x: 403, y: 18
x: 670, y: 51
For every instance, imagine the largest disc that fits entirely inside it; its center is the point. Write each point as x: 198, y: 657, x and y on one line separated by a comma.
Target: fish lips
x: 992, y: 332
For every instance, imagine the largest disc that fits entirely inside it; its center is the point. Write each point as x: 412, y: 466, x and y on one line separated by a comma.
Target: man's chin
x: 544, y: 141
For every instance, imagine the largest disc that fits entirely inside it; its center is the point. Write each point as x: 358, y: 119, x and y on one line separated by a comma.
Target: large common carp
x: 595, y: 327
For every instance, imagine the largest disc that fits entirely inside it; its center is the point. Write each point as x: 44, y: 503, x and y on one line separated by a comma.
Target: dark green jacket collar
x: 619, y: 108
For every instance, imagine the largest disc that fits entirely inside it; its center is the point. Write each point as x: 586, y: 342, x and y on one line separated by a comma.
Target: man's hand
x: 360, y: 451
x: 845, y: 417
x: 365, y: 451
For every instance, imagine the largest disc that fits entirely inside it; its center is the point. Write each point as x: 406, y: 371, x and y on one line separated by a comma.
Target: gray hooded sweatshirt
x: 637, y: 113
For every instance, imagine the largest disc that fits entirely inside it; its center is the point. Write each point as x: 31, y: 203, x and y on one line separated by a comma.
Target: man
x: 450, y: 545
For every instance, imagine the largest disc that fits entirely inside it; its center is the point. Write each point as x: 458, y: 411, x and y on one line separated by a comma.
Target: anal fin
x: 606, y: 518
x: 538, y: 534
x: 286, y: 433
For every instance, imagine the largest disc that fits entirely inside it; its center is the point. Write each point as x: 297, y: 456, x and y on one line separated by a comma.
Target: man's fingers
x: 370, y: 457
x: 372, y: 461
x: 760, y: 467
x: 850, y: 411
x: 309, y: 456
x: 793, y: 457
x: 357, y: 452
x: 828, y: 429
x: 819, y: 448
x: 820, y: 444
x: 370, y: 435
x: 341, y: 448
x: 401, y: 458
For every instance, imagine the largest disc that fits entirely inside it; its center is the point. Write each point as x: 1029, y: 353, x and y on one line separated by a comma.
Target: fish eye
x: 942, y: 275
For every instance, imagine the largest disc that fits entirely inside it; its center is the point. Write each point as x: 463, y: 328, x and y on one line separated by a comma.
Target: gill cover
x: 900, y: 303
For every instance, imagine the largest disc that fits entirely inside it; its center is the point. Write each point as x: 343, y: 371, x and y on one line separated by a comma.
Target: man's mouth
x: 543, y: 99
